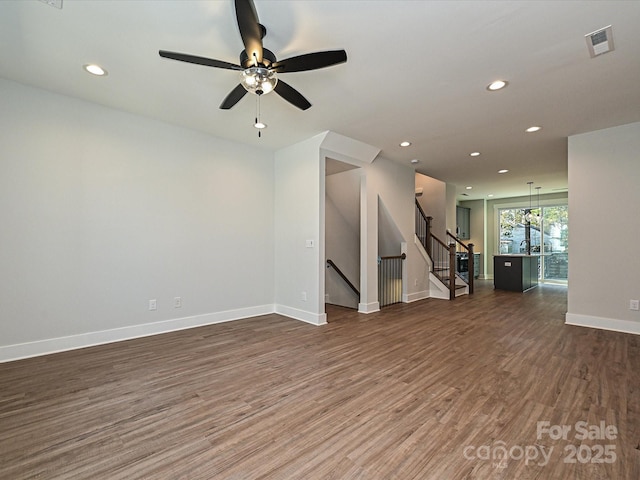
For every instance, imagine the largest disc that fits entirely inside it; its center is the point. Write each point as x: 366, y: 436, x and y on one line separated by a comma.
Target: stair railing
x: 462, y: 250
x: 390, y: 279
x: 443, y: 264
x: 344, y: 277
x: 443, y: 257
x: 423, y: 228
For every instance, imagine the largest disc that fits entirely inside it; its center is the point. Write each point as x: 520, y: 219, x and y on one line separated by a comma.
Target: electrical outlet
x: 177, y: 302
x: 153, y: 304
x: 634, y: 304
x: 304, y: 296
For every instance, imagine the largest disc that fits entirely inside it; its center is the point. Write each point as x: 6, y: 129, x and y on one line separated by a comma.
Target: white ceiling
x: 416, y: 70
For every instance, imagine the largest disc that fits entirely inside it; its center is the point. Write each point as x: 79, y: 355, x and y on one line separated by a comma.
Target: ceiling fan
x: 259, y: 66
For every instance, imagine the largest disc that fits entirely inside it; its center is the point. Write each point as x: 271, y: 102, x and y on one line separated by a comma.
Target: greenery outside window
x: 549, y: 237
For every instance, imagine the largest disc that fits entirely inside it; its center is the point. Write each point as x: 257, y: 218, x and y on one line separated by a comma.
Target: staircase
x: 444, y: 259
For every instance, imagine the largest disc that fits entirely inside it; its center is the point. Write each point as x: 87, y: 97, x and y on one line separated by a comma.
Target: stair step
x: 458, y: 285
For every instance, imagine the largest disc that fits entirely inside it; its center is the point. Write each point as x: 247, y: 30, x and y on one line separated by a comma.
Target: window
x: 556, y: 240
x: 549, y: 235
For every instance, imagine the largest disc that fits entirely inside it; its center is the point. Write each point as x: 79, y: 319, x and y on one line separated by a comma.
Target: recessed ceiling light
x: 490, y: 195
x: 468, y: 188
x: 474, y: 154
x: 497, y: 85
x: 260, y: 125
x: 414, y: 161
x: 504, y: 170
x: 532, y: 129
x: 94, y: 69
x: 405, y: 144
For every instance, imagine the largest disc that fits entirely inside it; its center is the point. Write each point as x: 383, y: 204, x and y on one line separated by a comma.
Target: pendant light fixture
x: 527, y: 213
x: 539, y: 214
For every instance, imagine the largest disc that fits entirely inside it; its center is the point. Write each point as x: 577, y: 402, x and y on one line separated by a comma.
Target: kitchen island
x: 514, y: 272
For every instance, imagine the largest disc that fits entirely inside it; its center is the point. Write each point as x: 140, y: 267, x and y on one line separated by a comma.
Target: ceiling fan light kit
x: 259, y: 67
x: 258, y: 80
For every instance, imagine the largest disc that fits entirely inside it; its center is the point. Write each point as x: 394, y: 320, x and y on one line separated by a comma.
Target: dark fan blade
x: 310, y: 61
x: 250, y: 29
x: 234, y: 97
x: 291, y: 95
x: 209, y: 62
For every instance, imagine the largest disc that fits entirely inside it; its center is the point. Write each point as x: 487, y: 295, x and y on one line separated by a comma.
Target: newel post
x: 452, y: 271
x: 472, y: 268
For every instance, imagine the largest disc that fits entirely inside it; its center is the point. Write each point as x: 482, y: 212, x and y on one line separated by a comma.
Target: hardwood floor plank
x: 427, y: 390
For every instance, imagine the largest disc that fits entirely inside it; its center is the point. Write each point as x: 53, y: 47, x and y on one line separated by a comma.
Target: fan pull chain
x: 258, y: 124
x: 258, y: 112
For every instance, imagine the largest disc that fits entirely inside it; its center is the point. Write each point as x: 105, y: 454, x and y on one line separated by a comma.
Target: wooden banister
x: 437, y: 240
x: 468, y: 248
x: 452, y: 271
x: 423, y: 228
x: 390, y: 257
x: 458, y: 241
x: 472, y: 268
x: 343, y: 276
x: 442, y: 253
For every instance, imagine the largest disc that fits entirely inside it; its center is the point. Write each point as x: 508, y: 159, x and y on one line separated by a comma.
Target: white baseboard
x: 53, y: 345
x: 302, y: 315
x: 369, y: 307
x: 414, y: 297
x: 613, y: 324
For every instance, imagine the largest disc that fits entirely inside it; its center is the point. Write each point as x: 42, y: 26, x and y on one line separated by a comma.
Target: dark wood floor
x: 429, y: 390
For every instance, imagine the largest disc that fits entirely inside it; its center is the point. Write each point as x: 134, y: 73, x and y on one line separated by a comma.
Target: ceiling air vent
x: 600, y: 41
x: 53, y: 3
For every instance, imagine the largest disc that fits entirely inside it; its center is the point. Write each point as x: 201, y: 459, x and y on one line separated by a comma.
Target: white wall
x: 434, y: 203
x: 394, y: 185
x: 604, y: 228
x: 390, y: 238
x: 477, y: 227
x: 299, y: 217
x: 451, y: 203
x: 382, y: 182
x: 104, y: 210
